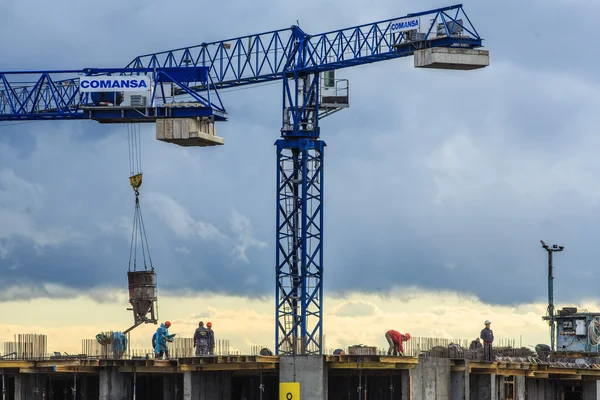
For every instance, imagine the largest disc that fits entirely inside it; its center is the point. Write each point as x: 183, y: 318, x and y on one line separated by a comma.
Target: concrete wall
x: 168, y: 387
x: 460, y: 384
x: 483, y: 387
x: 405, y: 385
x: 542, y: 389
x: 431, y: 379
x: 25, y: 387
x: 520, y: 388
x: 207, y: 385
x: 591, y: 390
x: 115, y: 385
x: 310, y: 371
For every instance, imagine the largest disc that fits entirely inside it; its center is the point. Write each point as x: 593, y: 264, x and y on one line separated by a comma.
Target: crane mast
x: 442, y: 38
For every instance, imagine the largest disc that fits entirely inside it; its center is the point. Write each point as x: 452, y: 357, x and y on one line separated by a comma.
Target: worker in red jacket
x: 395, y: 340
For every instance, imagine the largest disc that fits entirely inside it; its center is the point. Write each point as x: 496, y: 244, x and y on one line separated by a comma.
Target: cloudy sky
x: 439, y: 184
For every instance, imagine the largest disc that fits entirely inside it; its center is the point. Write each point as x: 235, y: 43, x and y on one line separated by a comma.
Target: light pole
x: 551, y: 250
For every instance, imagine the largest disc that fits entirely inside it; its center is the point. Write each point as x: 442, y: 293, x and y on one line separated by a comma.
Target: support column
x: 24, y: 387
x: 431, y: 379
x: 191, y: 385
x: 459, y: 384
x: 310, y: 371
x: 405, y: 385
x: 225, y: 385
x: 500, y: 387
x: 206, y: 386
x: 169, y: 387
x: 483, y: 387
x: 520, y: 387
x: 540, y: 389
x: 114, y: 385
x: 591, y: 390
x: 82, y: 388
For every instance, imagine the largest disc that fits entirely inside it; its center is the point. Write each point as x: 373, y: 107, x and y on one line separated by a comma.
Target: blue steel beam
x: 267, y: 56
x: 299, y: 247
x: 57, y: 95
x: 248, y: 60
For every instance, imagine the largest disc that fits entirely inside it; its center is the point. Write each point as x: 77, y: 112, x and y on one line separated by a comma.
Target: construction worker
x: 265, y: 352
x: 395, y: 340
x: 201, y: 337
x: 487, y: 335
x: 119, y: 345
x: 211, y: 339
x: 476, y: 344
x: 162, y: 337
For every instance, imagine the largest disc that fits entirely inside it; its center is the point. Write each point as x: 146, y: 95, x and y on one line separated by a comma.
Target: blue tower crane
x: 440, y: 38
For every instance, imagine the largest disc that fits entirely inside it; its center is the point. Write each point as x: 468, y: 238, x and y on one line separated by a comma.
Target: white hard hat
x: 487, y: 321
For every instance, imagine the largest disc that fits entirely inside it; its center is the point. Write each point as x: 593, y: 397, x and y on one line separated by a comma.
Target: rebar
x: 26, y: 346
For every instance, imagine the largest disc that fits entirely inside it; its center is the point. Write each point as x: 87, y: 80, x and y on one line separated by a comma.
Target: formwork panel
x: 451, y: 58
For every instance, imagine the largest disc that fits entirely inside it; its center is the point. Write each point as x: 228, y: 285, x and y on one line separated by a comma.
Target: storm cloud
x: 435, y: 179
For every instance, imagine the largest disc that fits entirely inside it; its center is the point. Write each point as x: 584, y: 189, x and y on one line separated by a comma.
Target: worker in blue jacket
x: 119, y: 345
x: 162, y: 337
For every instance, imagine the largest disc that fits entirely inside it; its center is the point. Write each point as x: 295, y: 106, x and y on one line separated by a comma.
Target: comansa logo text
x: 93, y: 84
x: 402, y: 25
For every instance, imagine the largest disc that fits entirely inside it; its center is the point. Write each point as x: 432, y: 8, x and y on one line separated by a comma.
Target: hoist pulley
x: 136, y: 181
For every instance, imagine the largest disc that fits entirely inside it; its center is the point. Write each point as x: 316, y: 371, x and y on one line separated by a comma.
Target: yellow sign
x: 289, y: 391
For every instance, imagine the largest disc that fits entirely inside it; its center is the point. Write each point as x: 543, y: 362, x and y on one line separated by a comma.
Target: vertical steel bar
x: 75, y: 385
x: 3, y: 386
x: 551, y: 299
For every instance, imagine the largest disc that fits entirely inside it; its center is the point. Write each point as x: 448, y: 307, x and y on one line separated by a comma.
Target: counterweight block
x: 188, y: 132
x: 451, y: 58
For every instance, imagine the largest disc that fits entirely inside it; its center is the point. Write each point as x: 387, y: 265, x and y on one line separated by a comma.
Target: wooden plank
x: 46, y: 370
x: 398, y: 359
x: 564, y: 377
x: 484, y: 371
x: 269, y: 359
x: 17, y: 364
x: 78, y: 369
x: 238, y: 367
x: 361, y: 365
x: 150, y: 370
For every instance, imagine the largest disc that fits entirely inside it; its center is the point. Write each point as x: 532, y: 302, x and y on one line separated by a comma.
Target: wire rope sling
x: 142, y: 281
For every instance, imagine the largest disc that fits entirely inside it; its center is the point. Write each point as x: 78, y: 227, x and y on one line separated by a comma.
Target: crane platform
x: 121, y: 114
